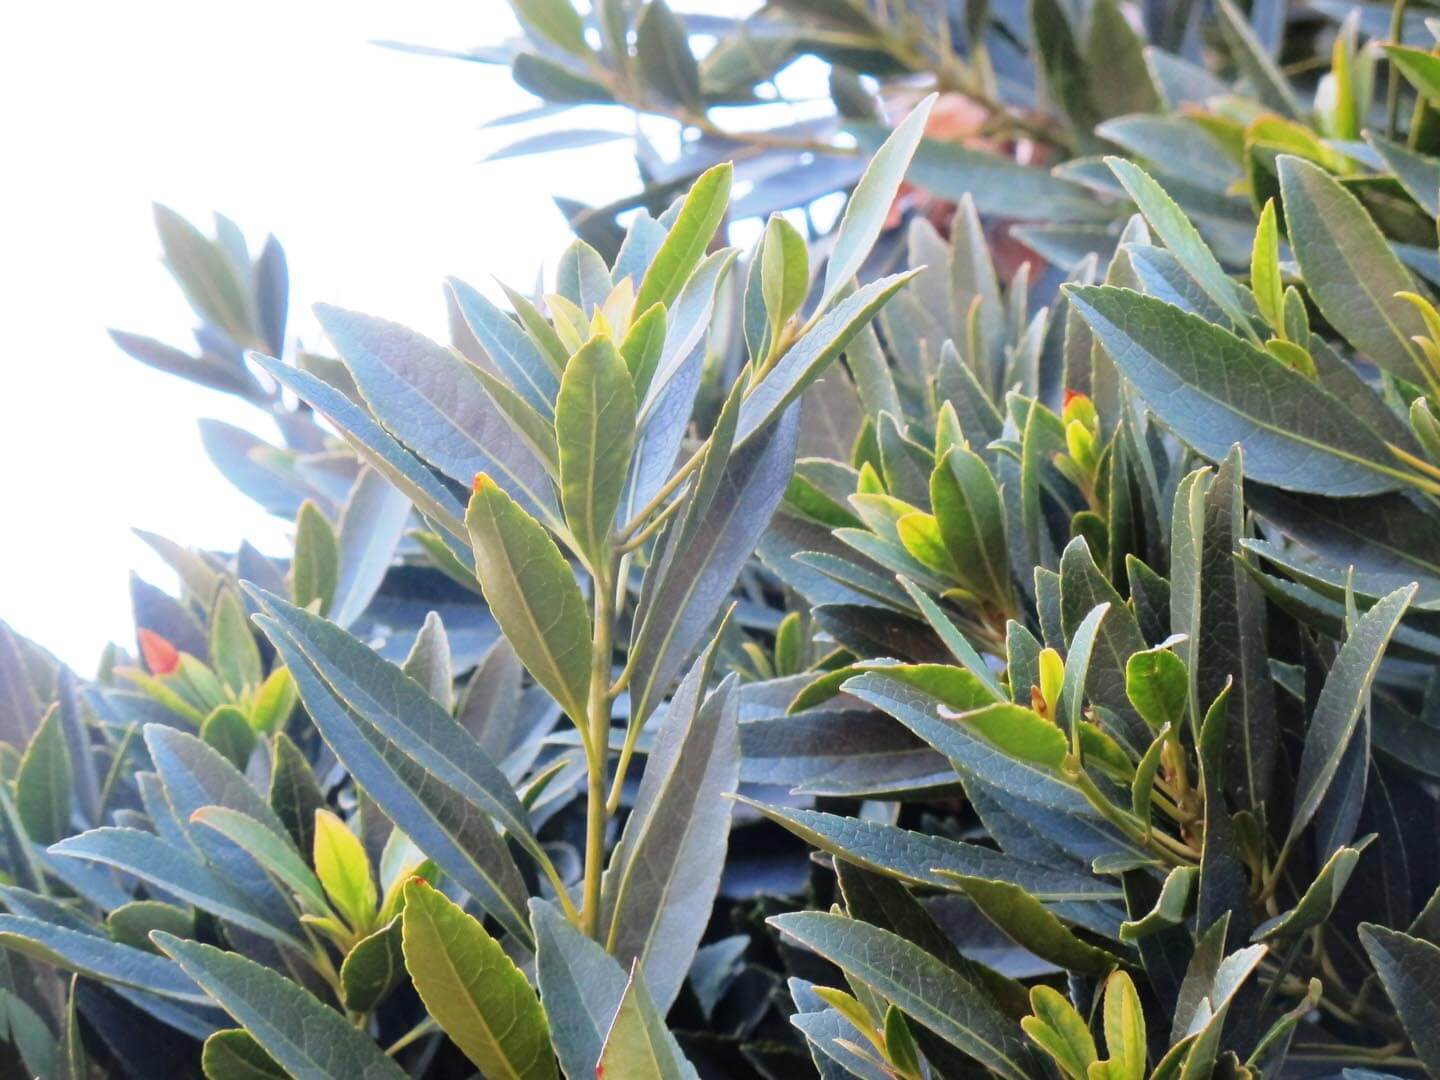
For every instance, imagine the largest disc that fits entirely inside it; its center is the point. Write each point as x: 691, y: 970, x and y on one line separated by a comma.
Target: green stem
x: 597, y: 814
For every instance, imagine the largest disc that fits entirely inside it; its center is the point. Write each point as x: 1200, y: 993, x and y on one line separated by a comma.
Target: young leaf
x: 233, y: 1054
x: 42, y: 785
x: 473, y: 989
x: 233, y: 652
x: 595, y: 427
x: 638, y: 1043
x: 1058, y: 1029
x: 304, y: 1036
x: 1265, y: 280
x: 344, y: 870
x: 1157, y: 685
x: 271, y: 851
x: 871, y: 201
x: 532, y: 593
x: 315, y: 569
x: 689, y: 238
x: 784, y: 272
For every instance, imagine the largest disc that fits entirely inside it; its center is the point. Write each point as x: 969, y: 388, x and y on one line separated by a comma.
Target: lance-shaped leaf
x: 1408, y: 968
x: 1029, y: 924
x: 1350, y: 270
x: 1270, y: 84
x: 509, y: 347
x: 924, y: 988
x: 429, y: 791
x: 595, y: 427
x: 638, y: 1043
x: 473, y: 989
x: 1215, y: 390
x: 1181, y: 237
x: 580, y: 986
x: 730, y: 506
x: 1320, y: 897
x: 914, y: 857
x: 430, y: 399
x: 688, y: 240
x: 172, y: 869
x: 96, y: 956
x: 784, y: 271
x: 273, y: 852
x: 871, y: 201
x: 662, y: 880
x: 233, y: 1054
x: 1345, y: 694
x: 1058, y: 1029
x: 805, y: 361
x: 305, y: 1037
x: 373, y: 443
x: 971, y: 517
x: 532, y: 593
x: 371, y: 525
x: 42, y: 786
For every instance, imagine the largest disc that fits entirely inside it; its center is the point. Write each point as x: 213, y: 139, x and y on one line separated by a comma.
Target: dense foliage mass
x: 994, y: 635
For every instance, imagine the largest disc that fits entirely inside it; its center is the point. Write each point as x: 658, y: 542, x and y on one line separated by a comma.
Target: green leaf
x: 315, y: 569
x: 1124, y: 1030
x: 130, y: 924
x: 42, y: 785
x: 206, y: 275
x: 580, y: 986
x: 1158, y: 686
x: 96, y: 956
x: 269, y: 850
x: 1181, y: 237
x: 784, y: 272
x: 913, y: 856
x: 663, y: 49
x: 1028, y: 923
x: 1215, y: 390
x: 555, y: 82
x: 806, y: 360
x: 428, y: 661
x: 967, y: 505
x: 429, y: 398
x: 373, y: 967
x: 509, y: 347
x: 1350, y: 270
x: 1319, y: 899
x: 1345, y: 693
x: 688, y: 240
x: 1015, y: 731
x: 227, y: 729
x: 305, y: 1037
x: 344, y: 870
x: 1058, y: 1029
x: 1421, y: 68
x: 871, y: 201
x: 424, y: 770
x: 274, y: 702
x: 554, y: 21
x: 638, y: 1043
x: 1265, y: 281
x: 643, y: 345
x: 1170, y: 906
x: 233, y: 1054
x: 1270, y: 86
x: 372, y: 443
x: 294, y: 792
x: 233, y: 652
x: 172, y: 869
x: 532, y: 593
x: 663, y: 876
x: 926, y: 989
x: 1407, y: 968
x: 595, y: 426
x: 473, y: 989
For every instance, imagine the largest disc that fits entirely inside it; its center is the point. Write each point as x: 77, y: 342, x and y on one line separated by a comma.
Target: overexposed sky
x: 280, y: 113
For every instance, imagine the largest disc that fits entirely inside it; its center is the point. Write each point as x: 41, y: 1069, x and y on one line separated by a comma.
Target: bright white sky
x: 365, y: 162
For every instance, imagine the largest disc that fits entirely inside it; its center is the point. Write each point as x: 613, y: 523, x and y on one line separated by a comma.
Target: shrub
x: 1080, y: 622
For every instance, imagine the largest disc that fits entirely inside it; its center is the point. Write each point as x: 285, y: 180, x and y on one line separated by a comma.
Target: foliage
x: 1045, y: 688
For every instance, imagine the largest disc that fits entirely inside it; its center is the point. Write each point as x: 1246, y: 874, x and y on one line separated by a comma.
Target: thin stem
x: 666, y: 490
x: 419, y: 1031
x: 599, y: 723
x: 656, y: 523
x: 1392, y: 76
